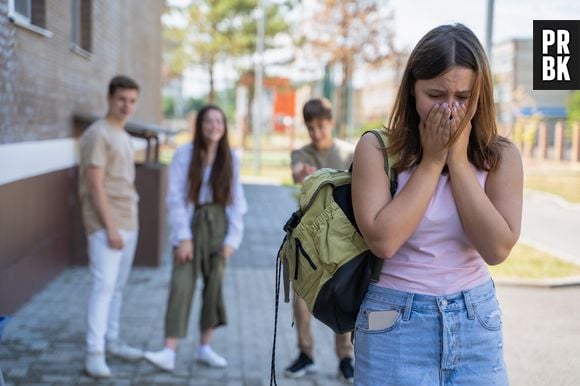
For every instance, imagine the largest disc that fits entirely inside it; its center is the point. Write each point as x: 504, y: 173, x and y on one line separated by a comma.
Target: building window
x: 22, y: 8
x: 82, y: 25
x: 31, y: 12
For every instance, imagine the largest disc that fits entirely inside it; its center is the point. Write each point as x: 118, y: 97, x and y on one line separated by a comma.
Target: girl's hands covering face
x: 434, y: 100
x: 435, y: 133
x: 458, y: 151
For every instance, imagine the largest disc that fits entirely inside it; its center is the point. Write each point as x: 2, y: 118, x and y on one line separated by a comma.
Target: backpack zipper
x: 300, y: 250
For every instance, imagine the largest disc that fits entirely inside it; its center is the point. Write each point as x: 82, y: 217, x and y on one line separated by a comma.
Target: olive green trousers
x: 209, y: 227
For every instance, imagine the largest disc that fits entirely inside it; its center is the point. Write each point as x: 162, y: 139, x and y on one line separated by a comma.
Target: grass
x: 566, y: 186
x: 271, y: 158
x: 277, y: 174
x: 274, y: 166
x: 526, y: 262
x: 559, y: 178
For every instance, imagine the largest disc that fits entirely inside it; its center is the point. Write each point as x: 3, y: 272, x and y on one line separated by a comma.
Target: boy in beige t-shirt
x: 323, y: 152
x: 109, y: 207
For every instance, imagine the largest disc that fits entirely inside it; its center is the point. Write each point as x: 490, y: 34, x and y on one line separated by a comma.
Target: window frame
x: 17, y: 16
x: 77, y: 44
x: 26, y: 21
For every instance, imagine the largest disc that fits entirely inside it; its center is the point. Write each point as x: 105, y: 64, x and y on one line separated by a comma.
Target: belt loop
x: 468, y: 305
x: 408, y: 306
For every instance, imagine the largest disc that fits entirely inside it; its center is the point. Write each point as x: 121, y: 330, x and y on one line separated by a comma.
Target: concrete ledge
x: 546, y: 283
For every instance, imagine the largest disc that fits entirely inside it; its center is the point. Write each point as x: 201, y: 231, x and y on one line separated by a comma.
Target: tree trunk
x: 348, y: 95
x: 343, y: 103
x: 247, y: 129
x: 211, y: 70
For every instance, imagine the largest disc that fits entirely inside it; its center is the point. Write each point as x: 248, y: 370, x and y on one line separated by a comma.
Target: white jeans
x: 109, y: 272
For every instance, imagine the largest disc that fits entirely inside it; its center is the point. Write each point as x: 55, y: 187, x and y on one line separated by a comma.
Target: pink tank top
x: 438, y: 259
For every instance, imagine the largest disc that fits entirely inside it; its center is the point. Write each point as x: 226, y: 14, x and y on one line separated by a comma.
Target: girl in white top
x: 206, y: 205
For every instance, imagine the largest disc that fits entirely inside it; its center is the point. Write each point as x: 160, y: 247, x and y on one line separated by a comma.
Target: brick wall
x: 43, y: 82
x: 7, y: 70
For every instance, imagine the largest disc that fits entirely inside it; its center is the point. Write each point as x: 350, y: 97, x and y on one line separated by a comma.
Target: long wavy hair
x: 221, y: 176
x: 440, y: 49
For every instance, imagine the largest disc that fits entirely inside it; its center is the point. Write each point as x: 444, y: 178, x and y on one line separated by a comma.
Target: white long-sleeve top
x: 181, y: 209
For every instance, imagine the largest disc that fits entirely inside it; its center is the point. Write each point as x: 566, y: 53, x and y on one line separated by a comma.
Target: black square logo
x: 556, y: 55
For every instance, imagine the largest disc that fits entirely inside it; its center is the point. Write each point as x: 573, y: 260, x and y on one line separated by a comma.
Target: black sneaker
x: 345, y: 370
x: 300, y: 367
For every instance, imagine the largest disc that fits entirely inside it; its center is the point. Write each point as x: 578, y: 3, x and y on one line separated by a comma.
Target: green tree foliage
x: 194, y: 104
x: 573, y: 110
x: 574, y: 107
x: 217, y: 30
x: 226, y: 99
x: 348, y: 32
x: 168, y: 107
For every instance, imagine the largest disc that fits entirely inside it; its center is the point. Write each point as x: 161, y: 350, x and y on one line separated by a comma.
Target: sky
x: 414, y: 18
x: 512, y: 18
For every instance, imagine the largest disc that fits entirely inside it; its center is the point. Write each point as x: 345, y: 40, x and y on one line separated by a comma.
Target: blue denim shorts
x: 422, y: 340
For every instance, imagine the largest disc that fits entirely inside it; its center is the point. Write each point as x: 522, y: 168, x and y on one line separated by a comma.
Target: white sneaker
x: 96, y: 366
x: 124, y: 351
x: 210, y: 358
x: 164, y: 359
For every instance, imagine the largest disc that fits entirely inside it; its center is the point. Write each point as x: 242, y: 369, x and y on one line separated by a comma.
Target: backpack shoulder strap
x: 379, y: 135
x: 388, y: 162
x: 376, y: 262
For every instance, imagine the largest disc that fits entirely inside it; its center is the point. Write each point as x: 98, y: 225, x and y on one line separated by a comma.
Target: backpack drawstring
x: 276, y: 303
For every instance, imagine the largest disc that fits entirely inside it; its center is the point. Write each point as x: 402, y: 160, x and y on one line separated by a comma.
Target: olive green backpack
x: 323, y: 253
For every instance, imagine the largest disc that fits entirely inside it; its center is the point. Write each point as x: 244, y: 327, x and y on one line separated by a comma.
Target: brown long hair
x: 221, y: 177
x: 440, y: 49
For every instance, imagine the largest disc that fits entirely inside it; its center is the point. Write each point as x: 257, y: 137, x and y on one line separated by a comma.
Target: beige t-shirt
x: 339, y: 156
x: 109, y: 148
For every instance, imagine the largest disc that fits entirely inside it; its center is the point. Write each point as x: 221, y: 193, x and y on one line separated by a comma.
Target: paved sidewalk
x: 44, y: 342
x: 551, y: 224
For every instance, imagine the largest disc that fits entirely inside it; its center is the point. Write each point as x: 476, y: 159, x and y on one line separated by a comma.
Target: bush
x: 168, y: 107
x: 370, y: 125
